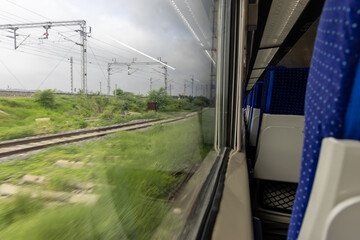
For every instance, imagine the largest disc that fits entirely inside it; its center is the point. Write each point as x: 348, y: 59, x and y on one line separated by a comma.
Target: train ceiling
x: 280, y: 24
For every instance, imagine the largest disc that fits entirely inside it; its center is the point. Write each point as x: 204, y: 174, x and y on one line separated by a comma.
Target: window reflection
x: 142, y: 62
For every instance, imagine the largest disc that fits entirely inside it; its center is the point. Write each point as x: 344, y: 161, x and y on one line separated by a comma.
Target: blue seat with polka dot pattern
x: 284, y: 90
x: 333, y: 68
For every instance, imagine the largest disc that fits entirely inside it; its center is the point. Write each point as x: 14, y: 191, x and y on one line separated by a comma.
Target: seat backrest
x: 279, y: 147
x: 284, y: 90
x: 333, y: 210
x: 248, y: 107
x: 331, y: 77
x: 255, y: 113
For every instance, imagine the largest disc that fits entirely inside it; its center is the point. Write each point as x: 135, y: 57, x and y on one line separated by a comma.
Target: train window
x: 108, y: 127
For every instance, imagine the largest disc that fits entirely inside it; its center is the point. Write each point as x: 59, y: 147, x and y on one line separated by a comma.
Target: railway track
x: 18, y: 146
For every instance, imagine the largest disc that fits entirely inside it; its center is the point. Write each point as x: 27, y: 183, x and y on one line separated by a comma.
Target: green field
x: 18, y: 114
x: 134, y: 172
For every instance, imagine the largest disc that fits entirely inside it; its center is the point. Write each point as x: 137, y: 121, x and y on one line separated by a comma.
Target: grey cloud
x: 150, y: 26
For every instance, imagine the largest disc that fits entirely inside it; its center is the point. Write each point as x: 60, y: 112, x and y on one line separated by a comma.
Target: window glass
x: 145, y: 68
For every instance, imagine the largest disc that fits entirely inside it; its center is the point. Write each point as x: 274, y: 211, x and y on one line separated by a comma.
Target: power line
x: 54, y: 68
x: 122, y: 49
x: 51, y: 57
x: 28, y: 10
x: 97, y: 61
x: 12, y: 74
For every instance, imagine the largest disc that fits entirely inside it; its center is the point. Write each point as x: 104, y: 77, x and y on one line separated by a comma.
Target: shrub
x: 107, y: 115
x: 100, y: 103
x: 173, y: 107
x: 201, y: 101
x: 46, y: 98
x: 161, y: 98
x: 185, y: 104
x: 83, y: 124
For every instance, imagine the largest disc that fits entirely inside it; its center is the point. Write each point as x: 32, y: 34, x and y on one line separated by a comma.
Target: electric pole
x: 48, y: 25
x: 151, y: 84
x: 108, y: 80
x: 165, y: 76
x: 115, y: 89
x: 170, y: 89
x: 100, y: 89
x: 83, y: 34
x: 192, y: 86
x: 185, y: 87
x: 71, y: 74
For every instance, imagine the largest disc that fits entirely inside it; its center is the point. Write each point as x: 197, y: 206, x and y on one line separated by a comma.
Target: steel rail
x: 18, y: 146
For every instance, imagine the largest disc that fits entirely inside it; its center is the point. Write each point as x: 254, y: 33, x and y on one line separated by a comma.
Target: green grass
x: 134, y: 168
x: 67, y: 114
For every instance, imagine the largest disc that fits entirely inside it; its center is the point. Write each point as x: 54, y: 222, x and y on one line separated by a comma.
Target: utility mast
x: 185, y: 87
x: 48, y: 25
x: 151, y: 84
x: 108, y: 81
x: 192, y: 86
x: 72, y: 74
x: 165, y: 77
x: 170, y: 89
x: 83, y: 44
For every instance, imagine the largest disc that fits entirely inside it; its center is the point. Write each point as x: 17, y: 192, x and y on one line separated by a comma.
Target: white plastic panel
x: 256, y: 73
x: 343, y: 221
x: 234, y: 220
x: 279, y: 148
x: 248, y: 112
x: 282, y: 17
x: 335, y: 188
x: 254, y: 126
x: 264, y: 57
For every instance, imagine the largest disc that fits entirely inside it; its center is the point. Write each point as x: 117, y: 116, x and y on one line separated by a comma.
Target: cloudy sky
x: 178, y: 31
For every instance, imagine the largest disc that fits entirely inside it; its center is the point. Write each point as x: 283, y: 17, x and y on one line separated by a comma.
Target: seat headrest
x: 284, y: 90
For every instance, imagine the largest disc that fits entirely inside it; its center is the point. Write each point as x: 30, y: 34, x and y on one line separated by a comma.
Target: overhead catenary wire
x: 65, y: 56
x: 109, y: 44
x: 44, y: 56
x: 97, y: 61
x: 12, y: 74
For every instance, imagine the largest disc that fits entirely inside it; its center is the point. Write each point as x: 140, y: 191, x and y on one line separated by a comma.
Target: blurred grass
x: 134, y: 168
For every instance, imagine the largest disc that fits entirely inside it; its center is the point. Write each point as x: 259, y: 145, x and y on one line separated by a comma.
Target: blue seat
x: 248, y: 107
x: 330, y: 85
x: 255, y: 113
x: 280, y: 137
x: 284, y: 90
